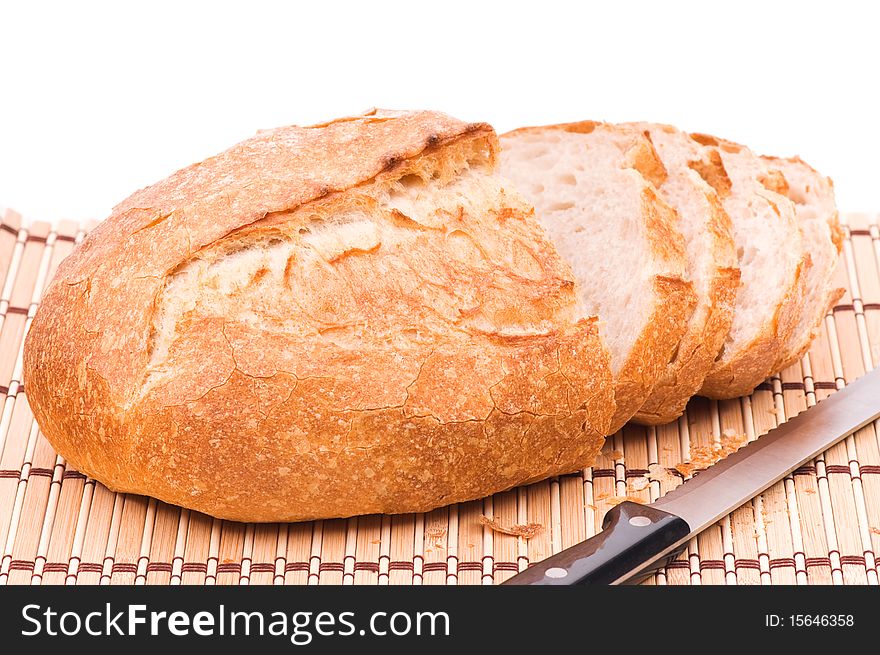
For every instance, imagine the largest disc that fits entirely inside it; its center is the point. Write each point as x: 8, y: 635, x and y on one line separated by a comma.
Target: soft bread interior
x: 589, y: 206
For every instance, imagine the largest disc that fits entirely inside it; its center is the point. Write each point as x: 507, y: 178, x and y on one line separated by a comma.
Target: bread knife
x: 638, y: 539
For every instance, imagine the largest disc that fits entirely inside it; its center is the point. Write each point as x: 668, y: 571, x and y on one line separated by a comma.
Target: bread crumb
x: 435, y: 534
x: 657, y: 473
x: 684, y: 468
x: 874, y: 530
x: 526, y: 531
x: 809, y: 490
x: 376, y: 541
x: 614, y: 454
x: 638, y: 484
x: 703, y: 457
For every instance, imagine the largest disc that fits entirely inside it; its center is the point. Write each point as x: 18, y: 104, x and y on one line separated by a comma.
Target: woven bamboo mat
x: 821, y: 525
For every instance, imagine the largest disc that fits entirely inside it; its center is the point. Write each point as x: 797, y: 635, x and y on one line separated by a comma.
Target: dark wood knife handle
x: 632, y: 536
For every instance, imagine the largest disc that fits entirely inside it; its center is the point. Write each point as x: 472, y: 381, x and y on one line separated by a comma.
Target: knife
x: 638, y: 539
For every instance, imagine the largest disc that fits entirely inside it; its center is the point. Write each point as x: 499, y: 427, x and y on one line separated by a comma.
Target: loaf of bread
x: 350, y: 318
x: 366, y: 316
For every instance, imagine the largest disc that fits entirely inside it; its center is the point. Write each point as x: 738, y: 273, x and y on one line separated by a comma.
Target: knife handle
x: 632, y: 536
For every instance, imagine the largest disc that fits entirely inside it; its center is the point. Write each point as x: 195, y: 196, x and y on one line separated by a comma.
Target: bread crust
x: 674, y: 298
x: 253, y: 424
x: 740, y: 374
x: 710, y: 322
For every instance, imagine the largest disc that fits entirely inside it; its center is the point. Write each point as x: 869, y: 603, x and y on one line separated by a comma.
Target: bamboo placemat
x: 821, y: 525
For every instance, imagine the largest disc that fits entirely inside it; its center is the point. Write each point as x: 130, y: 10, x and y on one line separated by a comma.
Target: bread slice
x: 712, y: 268
x: 772, y: 264
x: 589, y: 184
x: 324, y: 321
x: 816, y: 210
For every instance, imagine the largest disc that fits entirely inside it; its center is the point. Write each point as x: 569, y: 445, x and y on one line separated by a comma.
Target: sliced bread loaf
x: 816, y: 211
x: 590, y: 186
x: 772, y: 262
x: 712, y: 268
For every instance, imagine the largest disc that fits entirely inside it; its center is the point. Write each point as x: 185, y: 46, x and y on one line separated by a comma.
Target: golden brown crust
x: 712, y: 170
x: 644, y: 158
x: 349, y: 415
x: 739, y: 375
x: 655, y: 347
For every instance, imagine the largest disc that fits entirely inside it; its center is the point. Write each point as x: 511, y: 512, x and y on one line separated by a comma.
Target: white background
x: 99, y: 99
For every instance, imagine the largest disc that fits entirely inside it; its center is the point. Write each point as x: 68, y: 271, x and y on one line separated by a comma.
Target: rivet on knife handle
x: 632, y: 535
